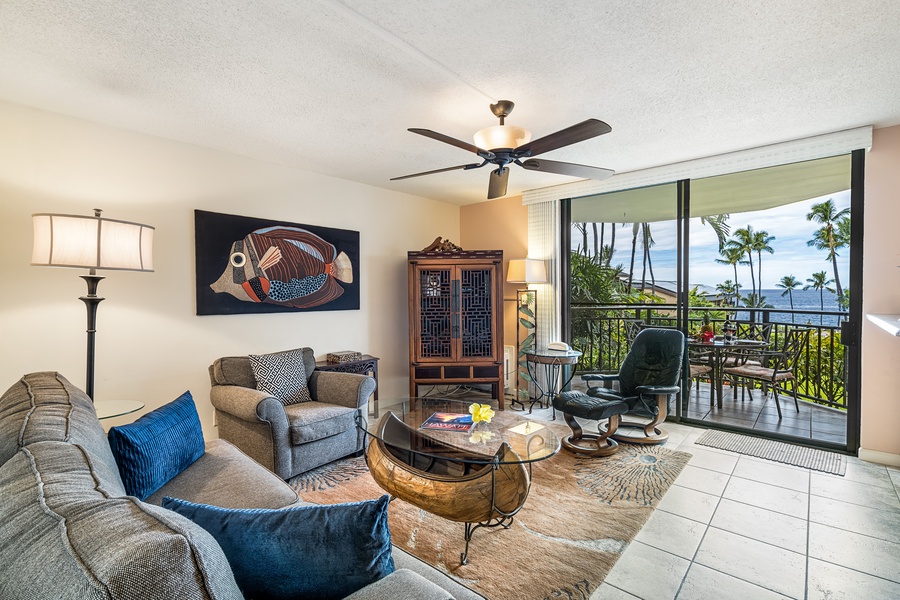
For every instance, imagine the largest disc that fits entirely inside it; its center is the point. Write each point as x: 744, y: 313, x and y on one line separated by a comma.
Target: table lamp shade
x: 526, y: 270
x: 91, y: 243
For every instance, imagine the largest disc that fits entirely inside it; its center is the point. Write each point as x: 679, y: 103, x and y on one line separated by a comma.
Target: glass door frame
x: 850, y: 329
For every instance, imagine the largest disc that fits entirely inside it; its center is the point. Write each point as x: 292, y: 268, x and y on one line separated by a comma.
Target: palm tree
x: 582, y: 229
x: 824, y: 239
x: 789, y: 283
x: 753, y: 300
x: 842, y: 240
x: 842, y: 233
x: 760, y: 244
x: 719, y: 224
x: 730, y: 290
x: 743, y: 241
x: 732, y: 255
x: 612, y: 243
x: 819, y: 281
x: 634, y: 235
x: 647, y: 242
x: 602, y: 241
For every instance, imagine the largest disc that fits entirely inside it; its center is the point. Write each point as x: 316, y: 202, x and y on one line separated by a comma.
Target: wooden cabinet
x: 456, y: 319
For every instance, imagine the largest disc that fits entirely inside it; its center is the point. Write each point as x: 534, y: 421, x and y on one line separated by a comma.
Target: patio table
x: 717, y: 352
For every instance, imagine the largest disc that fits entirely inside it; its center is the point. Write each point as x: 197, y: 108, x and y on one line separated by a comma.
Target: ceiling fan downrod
x: 502, y: 109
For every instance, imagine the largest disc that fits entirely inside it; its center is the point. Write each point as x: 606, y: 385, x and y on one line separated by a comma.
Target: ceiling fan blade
x: 466, y: 167
x: 497, y: 184
x: 564, y: 168
x: 452, y: 141
x: 564, y: 137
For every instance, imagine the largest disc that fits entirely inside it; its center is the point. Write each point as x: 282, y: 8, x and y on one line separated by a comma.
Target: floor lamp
x: 91, y: 243
x: 528, y: 271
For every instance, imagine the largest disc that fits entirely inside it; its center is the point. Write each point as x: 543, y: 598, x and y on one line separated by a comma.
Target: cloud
x: 788, y: 224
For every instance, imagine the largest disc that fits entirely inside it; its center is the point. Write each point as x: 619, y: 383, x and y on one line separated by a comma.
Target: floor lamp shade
x: 91, y: 243
x: 526, y: 270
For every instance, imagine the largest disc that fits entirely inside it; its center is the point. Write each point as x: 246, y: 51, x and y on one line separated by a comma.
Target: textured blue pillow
x: 158, y: 446
x: 313, y: 551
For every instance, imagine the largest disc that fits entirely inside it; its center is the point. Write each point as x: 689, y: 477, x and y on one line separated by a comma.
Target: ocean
x: 803, y: 299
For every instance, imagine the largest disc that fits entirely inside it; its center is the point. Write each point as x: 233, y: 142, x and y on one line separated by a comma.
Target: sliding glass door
x: 761, y: 256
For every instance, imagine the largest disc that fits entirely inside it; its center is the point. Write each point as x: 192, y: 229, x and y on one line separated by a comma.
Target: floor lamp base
x: 91, y: 301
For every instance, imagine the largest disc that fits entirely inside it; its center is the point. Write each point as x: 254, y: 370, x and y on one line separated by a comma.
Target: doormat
x: 578, y: 519
x: 791, y: 454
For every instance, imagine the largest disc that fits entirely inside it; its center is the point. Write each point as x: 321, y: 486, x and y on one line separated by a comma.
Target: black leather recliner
x: 649, y: 376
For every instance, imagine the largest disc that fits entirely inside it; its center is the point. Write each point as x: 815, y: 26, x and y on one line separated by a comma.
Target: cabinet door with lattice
x: 434, y: 303
x: 476, y: 312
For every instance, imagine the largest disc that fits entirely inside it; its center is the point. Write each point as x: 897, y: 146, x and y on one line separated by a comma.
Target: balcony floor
x: 813, y: 422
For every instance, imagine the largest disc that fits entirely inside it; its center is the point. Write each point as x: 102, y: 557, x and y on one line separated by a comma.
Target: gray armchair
x: 293, y: 439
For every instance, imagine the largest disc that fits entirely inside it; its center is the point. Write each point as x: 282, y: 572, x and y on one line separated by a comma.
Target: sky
x: 788, y: 224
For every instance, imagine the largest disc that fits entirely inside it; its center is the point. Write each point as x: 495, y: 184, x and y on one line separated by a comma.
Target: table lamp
x: 91, y: 243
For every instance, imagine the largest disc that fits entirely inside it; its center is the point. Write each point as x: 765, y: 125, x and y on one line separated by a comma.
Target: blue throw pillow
x: 158, y: 446
x: 313, y: 551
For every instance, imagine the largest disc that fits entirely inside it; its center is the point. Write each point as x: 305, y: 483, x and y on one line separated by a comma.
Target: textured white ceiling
x: 331, y: 86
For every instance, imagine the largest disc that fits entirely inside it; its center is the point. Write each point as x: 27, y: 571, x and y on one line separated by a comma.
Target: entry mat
x: 798, y: 456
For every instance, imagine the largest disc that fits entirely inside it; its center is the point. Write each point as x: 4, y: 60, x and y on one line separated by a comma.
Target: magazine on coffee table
x: 448, y: 422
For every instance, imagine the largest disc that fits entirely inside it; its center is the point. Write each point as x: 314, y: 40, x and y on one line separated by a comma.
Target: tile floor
x: 733, y: 526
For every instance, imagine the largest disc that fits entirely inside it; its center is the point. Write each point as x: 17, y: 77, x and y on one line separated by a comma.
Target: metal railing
x: 603, y: 334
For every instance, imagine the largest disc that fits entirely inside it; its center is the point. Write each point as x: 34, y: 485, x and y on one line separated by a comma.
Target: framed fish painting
x: 250, y: 265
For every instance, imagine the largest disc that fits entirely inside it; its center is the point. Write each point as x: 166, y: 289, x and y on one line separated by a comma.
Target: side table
x: 367, y: 365
x: 553, y: 361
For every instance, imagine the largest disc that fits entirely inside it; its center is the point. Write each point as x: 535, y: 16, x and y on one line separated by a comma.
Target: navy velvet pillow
x: 158, y: 446
x: 314, y: 551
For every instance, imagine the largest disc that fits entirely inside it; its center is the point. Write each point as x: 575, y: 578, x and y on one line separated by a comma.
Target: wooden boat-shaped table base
x: 480, y: 490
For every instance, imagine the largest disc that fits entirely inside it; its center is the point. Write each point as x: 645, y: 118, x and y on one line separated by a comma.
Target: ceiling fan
x: 503, y: 144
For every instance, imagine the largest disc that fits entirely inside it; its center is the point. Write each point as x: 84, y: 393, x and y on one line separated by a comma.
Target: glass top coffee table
x: 480, y: 475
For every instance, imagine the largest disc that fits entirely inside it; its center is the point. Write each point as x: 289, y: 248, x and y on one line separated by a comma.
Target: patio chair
x: 633, y: 327
x: 777, y: 367
x: 758, y: 332
x: 700, y: 368
x: 648, y: 377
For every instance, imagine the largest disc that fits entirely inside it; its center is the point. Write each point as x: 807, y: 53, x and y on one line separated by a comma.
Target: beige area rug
x: 578, y: 518
x: 790, y: 454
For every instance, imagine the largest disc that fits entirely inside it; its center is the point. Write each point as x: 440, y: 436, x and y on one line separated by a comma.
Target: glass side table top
x: 547, y: 356
x: 401, y: 428
x: 107, y: 409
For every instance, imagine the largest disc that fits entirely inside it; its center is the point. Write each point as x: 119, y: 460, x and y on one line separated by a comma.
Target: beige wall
x: 881, y: 294
x: 151, y: 346
x: 498, y: 225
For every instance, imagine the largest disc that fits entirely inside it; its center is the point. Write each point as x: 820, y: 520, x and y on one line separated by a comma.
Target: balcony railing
x: 603, y: 334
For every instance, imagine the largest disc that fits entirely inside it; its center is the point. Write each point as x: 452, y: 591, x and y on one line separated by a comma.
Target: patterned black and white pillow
x: 282, y: 375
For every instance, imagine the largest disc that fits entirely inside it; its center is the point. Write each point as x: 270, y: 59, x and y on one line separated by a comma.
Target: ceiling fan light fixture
x: 502, y: 136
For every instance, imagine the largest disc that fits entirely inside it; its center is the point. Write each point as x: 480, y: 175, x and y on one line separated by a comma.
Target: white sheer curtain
x: 543, y: 244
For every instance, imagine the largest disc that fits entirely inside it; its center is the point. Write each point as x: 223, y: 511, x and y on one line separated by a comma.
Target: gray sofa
x: 69, y: 531
x: 289, y: 440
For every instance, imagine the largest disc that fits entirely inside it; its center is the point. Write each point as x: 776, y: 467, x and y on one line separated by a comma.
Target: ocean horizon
x: 803, y: 300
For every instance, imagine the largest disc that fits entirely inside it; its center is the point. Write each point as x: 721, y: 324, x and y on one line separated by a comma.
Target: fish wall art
x: 250, y: 265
